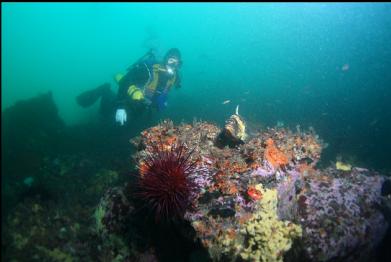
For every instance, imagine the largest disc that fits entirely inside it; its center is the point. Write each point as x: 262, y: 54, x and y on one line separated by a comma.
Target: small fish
x: 226, y: 102
x: 345, y: 67
x: 374, y: 121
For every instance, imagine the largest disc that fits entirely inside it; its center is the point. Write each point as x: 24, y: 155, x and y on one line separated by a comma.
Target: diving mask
x: 173, y: 61
x: 172, y: 64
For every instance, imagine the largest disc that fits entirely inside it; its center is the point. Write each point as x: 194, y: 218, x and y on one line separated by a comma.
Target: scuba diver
x: 145, y: 86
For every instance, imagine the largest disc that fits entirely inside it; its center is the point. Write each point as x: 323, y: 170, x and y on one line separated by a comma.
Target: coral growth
x: 268, y: 237
x: 254, y: 193
x: 254, y: 200
x: 272, y: 154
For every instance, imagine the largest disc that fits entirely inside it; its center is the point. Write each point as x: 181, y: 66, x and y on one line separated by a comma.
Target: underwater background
x: 324, y: 66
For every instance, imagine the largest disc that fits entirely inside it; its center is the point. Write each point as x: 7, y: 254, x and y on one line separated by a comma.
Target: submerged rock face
x: 31, y: 121
x: 338, y: 213
x: 30, y: 129
x: 264, y: 200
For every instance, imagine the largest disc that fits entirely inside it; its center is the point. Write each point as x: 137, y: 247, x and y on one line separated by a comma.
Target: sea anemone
x: 164, y: 183
x: 274, y: 156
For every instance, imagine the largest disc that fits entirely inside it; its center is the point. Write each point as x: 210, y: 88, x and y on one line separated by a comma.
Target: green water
x: 325, y: 65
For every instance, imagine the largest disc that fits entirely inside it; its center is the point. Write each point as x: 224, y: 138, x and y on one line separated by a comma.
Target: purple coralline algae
x: 339, y: 215
x: 323, y: 215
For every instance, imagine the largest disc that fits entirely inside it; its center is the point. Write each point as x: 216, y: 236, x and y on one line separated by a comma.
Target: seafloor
x: 185, y: 192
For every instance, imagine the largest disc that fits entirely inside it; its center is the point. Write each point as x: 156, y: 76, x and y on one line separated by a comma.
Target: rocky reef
x: 260, y: 200
x: 191, y: 192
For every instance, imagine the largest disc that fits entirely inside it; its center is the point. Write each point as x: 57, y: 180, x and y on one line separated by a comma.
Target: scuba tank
x: 135, y: 75
x: 148, y: 58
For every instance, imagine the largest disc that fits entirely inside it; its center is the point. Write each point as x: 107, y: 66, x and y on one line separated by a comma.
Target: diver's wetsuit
x: 152, y: 78
x: 137, y: 75
x: 88, y: 98
x: 146, y: 73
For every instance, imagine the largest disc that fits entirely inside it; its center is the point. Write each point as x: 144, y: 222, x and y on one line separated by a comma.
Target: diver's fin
x: 118, y: 77
x: 89, y: 97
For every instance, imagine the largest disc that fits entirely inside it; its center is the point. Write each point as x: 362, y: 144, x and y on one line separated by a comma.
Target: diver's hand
x: 120, y: 116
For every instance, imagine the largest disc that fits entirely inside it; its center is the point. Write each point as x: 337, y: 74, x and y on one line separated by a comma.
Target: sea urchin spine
x: 165, y: 183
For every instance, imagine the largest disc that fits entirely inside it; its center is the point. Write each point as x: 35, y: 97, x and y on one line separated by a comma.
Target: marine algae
x: 269, y: 237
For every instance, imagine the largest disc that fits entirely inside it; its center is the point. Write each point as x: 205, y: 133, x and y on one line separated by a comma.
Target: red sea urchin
x: 165, y: 183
